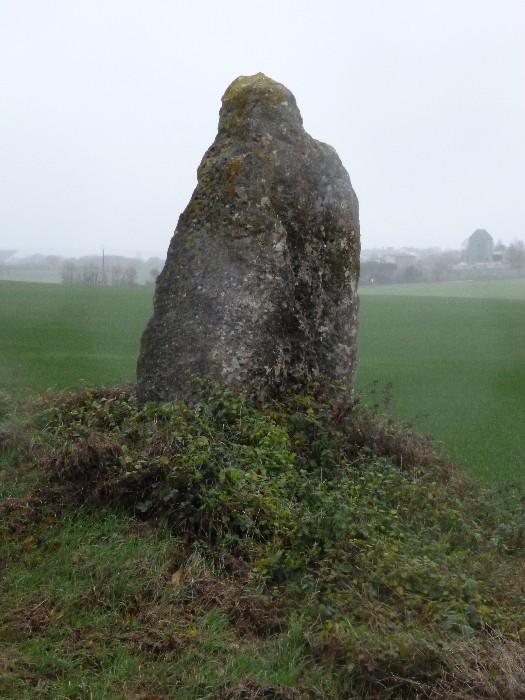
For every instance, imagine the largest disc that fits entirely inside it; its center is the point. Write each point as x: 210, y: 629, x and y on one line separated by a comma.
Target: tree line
x: 439, y: 266
x: 115, y: 271
x: 92, y: 274
x: 89, y: 271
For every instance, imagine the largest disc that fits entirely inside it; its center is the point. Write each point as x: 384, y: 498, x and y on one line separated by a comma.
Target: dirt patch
x: 248, y: 689
x: 17, y: 515
x: 154, y: 643
x: 251, y: 613
x: 28, y: 620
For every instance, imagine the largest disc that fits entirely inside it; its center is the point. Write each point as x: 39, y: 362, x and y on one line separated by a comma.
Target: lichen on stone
x: 259, y: 286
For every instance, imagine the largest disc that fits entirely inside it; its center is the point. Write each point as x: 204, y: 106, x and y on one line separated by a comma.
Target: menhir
x: 259, y: 286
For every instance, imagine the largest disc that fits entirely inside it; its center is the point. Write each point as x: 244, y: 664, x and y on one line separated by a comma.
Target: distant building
x: 499, y: 252
x: 401, y: 260
x: 480, y: 247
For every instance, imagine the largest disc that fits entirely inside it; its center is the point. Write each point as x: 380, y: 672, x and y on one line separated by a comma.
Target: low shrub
x: 327, y: 510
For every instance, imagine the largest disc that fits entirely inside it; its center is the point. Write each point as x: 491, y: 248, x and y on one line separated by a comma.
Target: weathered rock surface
x: 259, y: 286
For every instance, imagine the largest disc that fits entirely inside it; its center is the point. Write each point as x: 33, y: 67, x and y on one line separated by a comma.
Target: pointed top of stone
x: 259, y: 289
x: 258, y: 103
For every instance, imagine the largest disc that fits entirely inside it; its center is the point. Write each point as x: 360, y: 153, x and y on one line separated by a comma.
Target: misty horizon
x: 109, y: 110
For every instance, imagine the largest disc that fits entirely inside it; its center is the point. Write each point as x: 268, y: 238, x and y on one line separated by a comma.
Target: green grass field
x: 59, y: 337
x: 230, y: 551
x: 467, y: 289
x: 454, y: 354
x: 25, y: 275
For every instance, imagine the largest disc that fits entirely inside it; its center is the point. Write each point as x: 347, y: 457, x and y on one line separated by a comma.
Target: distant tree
x: 130, y: 276
x: 155, y: 262
x: 117, y: 273
x: 516, y: 256
x: 441, y: 265
x: 91, y: 274
x: 411, y: 274
x: 69, y: 272
x: 54, y: 261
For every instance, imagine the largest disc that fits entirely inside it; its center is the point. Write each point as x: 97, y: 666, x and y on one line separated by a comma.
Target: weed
x: 308, y: 548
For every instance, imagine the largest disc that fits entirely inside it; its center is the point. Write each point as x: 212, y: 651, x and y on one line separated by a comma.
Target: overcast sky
x: 107, y: 107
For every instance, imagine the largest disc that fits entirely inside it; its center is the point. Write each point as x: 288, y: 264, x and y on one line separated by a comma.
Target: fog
x: 109, y: 107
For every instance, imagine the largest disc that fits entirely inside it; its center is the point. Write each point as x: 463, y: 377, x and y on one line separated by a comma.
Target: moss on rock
x: 259, y: 287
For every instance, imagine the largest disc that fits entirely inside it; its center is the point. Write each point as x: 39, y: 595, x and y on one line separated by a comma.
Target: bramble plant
x: 313, y: 514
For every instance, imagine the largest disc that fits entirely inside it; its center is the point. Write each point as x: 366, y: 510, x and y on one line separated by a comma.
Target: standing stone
x: 259, y: 289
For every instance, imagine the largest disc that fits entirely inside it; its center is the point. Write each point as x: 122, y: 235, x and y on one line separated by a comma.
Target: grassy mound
x: 307, y: 549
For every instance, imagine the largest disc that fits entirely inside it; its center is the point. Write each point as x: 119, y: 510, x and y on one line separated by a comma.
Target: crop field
x: 229, y: 551
x: 455, y: 356
x: 467, y: 289
x: 61, y: 337
x: 453, y: 353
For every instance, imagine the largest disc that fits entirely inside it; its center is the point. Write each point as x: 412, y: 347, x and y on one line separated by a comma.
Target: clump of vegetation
x: 303, y: 549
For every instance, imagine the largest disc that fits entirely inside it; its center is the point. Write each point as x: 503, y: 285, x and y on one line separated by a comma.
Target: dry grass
x: 346, y: 560
x: 490, y: 669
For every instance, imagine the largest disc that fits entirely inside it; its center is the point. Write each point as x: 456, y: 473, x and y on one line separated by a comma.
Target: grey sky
x: 109, y: 105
